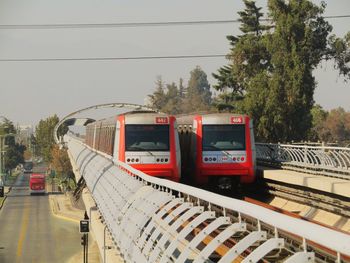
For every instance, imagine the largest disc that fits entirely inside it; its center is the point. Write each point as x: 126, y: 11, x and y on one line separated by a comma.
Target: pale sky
x: 30, y: 91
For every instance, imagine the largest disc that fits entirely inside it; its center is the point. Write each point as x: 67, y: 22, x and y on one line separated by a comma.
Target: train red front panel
x: 167, y: 170
x: 244, y: 169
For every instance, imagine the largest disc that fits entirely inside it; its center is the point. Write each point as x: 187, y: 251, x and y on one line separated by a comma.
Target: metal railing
x: 329, y: 161
x: 156, y: 220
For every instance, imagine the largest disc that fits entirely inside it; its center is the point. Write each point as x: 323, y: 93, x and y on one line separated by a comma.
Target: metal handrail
x: 325, y: 160
x: 129, y: 200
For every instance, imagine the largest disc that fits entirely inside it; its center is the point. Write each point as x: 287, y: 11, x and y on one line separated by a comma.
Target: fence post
x: 305, y: 154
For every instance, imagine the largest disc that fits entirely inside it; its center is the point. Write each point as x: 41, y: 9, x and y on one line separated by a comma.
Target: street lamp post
x: 1, y: 159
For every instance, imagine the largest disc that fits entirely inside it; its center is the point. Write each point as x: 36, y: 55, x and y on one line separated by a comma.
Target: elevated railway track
x: 155, y: 220
x: 316, y: 176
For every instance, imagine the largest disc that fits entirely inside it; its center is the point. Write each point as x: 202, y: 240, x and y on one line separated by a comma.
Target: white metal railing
x: 330, y: 161
x: 152, y: 219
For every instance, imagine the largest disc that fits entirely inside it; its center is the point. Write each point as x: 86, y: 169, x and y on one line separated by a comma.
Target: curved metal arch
x: 98, y: 107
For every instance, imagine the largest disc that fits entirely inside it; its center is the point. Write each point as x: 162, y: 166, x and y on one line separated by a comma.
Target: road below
x: 30, y: 233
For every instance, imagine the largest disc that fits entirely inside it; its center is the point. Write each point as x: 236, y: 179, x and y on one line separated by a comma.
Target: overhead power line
x: 106, y: 25
x: 110, y: 58
x: 132, y: 24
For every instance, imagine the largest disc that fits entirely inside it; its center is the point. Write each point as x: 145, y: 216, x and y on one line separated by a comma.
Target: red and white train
x: 147, y: 141
x: 218, y: 149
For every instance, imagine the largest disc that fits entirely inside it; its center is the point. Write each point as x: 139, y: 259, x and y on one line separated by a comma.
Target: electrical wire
x: 132, y: 24
x: 111, y: 58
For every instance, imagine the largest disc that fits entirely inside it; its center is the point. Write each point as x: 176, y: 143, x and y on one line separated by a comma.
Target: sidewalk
x: 62, y: 208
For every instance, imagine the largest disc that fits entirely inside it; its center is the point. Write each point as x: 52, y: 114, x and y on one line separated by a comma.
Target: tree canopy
x: 269, y: 75
x: 174, y: 99
x: 60, y: 161
x: 14, y: 152
x: 44, y: 136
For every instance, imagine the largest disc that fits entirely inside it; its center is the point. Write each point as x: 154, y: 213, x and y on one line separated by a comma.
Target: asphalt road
x: 30, y: 233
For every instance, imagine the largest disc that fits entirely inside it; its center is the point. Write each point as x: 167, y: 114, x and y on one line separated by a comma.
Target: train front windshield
x: 146, y: 137
x: 223, y: 137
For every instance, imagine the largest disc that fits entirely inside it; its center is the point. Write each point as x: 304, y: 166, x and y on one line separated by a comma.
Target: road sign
x: 84, y: 226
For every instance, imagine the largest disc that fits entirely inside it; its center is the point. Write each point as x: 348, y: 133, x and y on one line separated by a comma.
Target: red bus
x: 37, y: 184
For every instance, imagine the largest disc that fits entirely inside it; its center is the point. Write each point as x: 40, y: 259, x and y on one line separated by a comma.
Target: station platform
x: 327, y: 184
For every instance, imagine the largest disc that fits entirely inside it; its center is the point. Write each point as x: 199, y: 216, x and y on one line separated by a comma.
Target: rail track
x: 329, y: 202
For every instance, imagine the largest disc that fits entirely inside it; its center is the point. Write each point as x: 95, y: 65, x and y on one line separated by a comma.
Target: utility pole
x: 2, y: 183
x: 2, y: 151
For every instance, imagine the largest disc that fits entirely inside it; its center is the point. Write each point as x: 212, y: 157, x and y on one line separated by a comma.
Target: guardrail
x: 329, y: 161
x: 156, y: 220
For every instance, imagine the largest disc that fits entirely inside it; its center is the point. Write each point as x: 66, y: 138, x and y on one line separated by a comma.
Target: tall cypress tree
x: 297, y: 45
x: 248, y: 57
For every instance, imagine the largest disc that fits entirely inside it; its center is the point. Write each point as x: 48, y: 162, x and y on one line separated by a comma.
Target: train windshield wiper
x: 210, y: 147
x: 136, y: 148
x: 207, y: 147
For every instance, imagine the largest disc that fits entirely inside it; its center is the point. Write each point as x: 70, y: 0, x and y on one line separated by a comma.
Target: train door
x: 116, y: 142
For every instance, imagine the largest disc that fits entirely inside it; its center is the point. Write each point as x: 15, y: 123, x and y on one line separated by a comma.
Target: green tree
x: 168, y: 99
x: 336, y: 126
x: 14, y: 152
x: 270, y: 71
x: 319, y: 116
x: 198, y: 95
x: 297, y: 45
x: 44, y: 136
x: 173, y: 99
x: 182, y: 89
x: 14, y: 155
x: 340, y: 50
x: 157, y: 98
x: 248, y: 59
